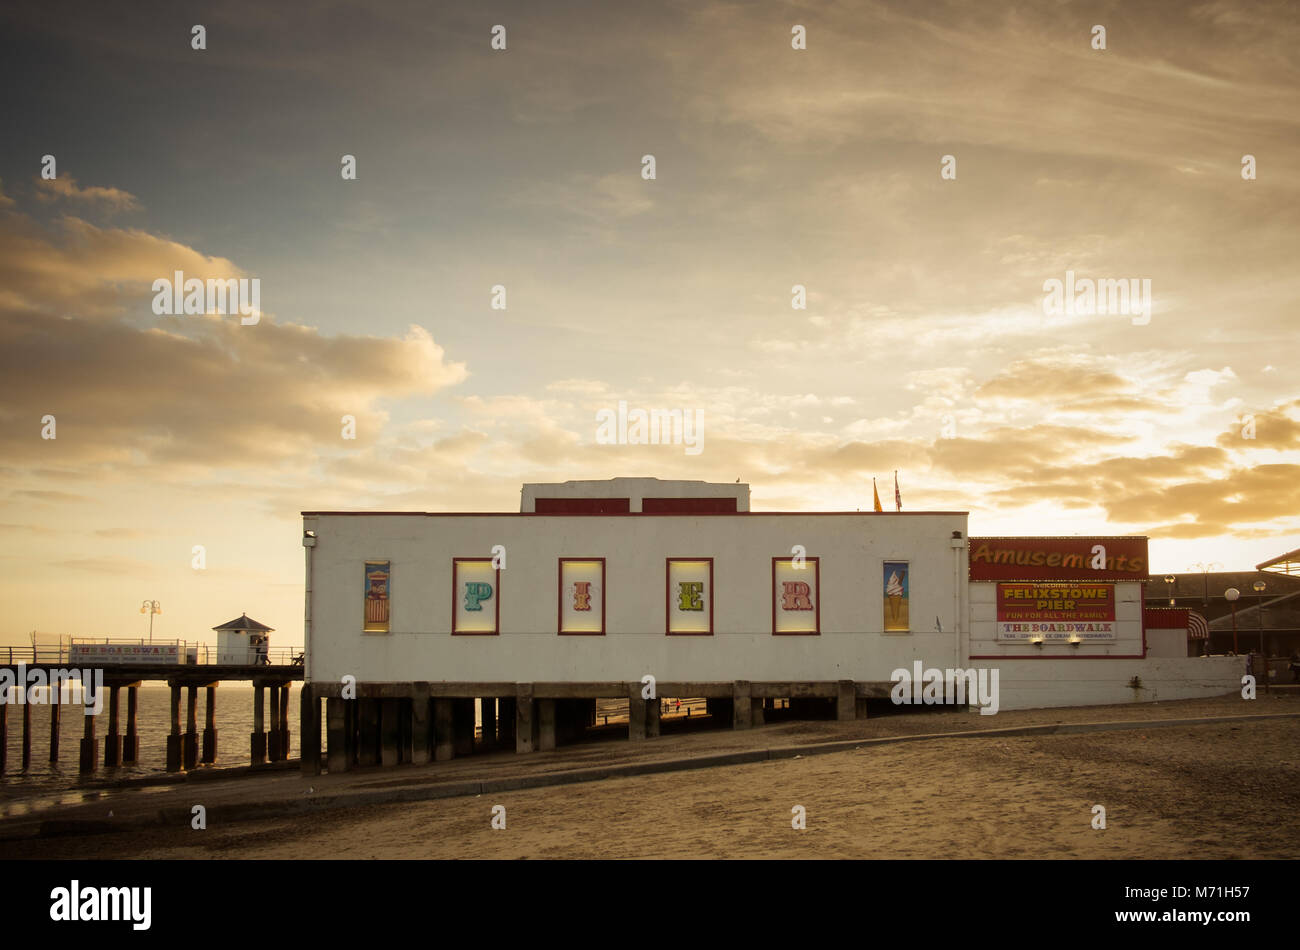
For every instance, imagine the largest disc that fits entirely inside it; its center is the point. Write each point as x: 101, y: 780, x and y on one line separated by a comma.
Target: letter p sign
x: 475, y: 593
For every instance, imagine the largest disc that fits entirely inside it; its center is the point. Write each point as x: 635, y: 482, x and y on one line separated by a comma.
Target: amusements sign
x: 1056, y: 612
x: 134, y: 653
x: 1045, y: 559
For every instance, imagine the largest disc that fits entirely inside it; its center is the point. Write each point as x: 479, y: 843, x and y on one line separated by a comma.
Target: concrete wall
x: 851, y: 547
x: 1034, y: 684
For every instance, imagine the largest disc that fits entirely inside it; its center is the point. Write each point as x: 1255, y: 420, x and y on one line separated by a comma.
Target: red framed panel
x: 815, y: 564
x: 668, y: 597
x: 559, y: 600
x: 455, y: 596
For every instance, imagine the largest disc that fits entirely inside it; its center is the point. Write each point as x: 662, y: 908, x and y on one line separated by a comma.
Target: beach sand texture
x: 1223, y: 790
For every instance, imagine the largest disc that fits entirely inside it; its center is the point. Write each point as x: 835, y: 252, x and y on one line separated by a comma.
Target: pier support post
x: 309, y: 729
x: 273, y: 733
x: 756, y: 707
x: 462, y: 723
x: 546, y: 724
x: 653, y: 714
x: 636, y: 712
x: 421, y: 720
x: 89, y: 746
x: 488, y: 717
x: 443, y: 745
x: 191, y: 746
x: 131, y: 741
x: 174, y: 736
x: 284, y: 723
x: 388, y: 731
x: 846, y: 704
x: 524, y: 718
x: 740, y: 705
x: 27, y: 729
x: 4, y: 732
x: 367, y: 732
x: 337, y: 746
x: 56, y: 711
x: 113, y: 740
x: 210, y: 724
x: 257, y: 740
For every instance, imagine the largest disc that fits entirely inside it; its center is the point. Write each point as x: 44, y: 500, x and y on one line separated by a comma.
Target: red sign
x: 1084, y: 559
x: 1056, y: 611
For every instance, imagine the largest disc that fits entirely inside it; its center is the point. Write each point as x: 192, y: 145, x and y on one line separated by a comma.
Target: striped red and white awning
x: 1197, y: 626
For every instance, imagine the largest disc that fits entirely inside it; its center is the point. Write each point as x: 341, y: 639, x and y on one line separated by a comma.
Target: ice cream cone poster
x: 897, y: 587
x: 378, y: 577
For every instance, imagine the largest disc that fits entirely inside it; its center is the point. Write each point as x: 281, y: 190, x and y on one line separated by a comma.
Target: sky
x: 925, y: 345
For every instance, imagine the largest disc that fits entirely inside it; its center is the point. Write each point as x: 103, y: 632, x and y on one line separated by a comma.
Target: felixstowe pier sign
x: 1052, y: 559
x: 1051, y: 612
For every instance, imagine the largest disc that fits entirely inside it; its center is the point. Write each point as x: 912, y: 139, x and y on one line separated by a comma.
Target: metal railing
x: 201, y: 654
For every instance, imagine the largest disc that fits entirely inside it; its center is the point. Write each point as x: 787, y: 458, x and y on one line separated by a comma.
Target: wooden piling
x: 56, y: 712
x: 131, y: 741
x: 846, y: 701
x: 741, y: 704
x: 257, y: 741
x: 27, y: 732
x: 505, y: 721
x: 337, y: 740
x: 113, y: 739
x: 284, y: 723
x: 653, y: 712
x: 389, y: 754
x: 309, y: 730
x: 89, y: 745
x: 191, y: 744
x: 546, y: 724
x: 444, y: 746
x: 524, y: 717
x: 210, y: 724
x: 174, y: 737
x: 274, y: 735
x: 421, y: 723
x: 636, y: 712
x: 4, y: 733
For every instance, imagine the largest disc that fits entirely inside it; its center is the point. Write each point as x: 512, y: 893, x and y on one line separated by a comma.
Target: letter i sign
x: 582, y: 595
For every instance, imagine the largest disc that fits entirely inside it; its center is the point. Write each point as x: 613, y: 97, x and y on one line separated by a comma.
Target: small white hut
x: 243, y: 641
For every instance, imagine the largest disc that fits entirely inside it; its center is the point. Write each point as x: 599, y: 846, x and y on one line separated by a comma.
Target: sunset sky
x: 924, y: 346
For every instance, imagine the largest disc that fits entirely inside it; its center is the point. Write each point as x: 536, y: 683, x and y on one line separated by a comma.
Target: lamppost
x: 1231, y: 595
x: 151, y: 607
x: 1205, y: 569
x: 1169, y: 579
x: 1259, y: 611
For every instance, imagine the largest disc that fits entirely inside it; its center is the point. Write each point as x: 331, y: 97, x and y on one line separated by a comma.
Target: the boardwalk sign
x: 125, y: 653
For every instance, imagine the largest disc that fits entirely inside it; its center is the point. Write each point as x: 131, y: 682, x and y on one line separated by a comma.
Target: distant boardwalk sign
x: 125, y: 653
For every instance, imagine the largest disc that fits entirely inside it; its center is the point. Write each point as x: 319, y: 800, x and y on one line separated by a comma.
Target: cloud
x: 66, y: 187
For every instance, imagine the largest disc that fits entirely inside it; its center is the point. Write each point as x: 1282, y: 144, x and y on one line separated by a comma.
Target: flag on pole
x: 898, y: 499
x: 876, y: 494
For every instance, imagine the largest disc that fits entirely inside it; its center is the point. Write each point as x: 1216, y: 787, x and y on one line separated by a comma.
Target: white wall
x: 1166, y: 642
x: 852, y: 548
x: 1034, y: 684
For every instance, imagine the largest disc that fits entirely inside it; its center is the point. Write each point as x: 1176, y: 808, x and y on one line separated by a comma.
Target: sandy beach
x: 1223, y: 790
